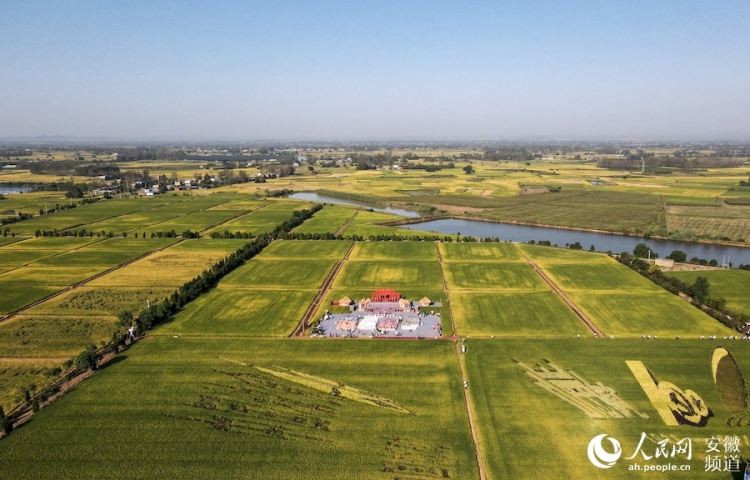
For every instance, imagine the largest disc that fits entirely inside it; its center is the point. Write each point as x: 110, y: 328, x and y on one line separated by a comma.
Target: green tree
x: 468, y: 169
x: 86, y: 360
x: 678, y: 256
x: 644, y: 251
x: 699, y: 289
x: 75, y: 192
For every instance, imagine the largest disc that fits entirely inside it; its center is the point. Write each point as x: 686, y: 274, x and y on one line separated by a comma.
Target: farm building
x: 425, y: 302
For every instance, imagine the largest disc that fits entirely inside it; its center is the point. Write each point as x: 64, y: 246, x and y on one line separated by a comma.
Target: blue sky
x: 364, y: 70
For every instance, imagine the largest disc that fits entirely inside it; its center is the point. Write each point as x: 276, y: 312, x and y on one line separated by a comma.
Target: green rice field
x: 179, y: 390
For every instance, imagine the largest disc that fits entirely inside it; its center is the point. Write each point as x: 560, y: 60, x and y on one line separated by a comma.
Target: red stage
x: 385, y: 295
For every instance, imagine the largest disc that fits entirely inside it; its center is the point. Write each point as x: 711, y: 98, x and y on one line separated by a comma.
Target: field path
x: 307, y: 318
x: 445, y: 290
x: 346, y: 224
x: 586, y: 320
x: 84, y: 282
x: 470, y: 412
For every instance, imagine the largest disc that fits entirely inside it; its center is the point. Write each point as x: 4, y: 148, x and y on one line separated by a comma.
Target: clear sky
x: 369, y: 70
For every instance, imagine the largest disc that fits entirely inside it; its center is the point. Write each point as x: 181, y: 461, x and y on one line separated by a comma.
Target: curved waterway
x: 603, y: 242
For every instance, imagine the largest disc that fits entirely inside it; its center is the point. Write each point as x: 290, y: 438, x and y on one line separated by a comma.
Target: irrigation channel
x: 603, y: 242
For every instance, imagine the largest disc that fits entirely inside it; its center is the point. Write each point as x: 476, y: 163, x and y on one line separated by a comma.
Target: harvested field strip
x: 336, y: 388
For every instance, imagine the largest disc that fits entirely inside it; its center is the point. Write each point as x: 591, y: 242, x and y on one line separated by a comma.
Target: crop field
x: 733, y: 285
x: 86, y: 215
x: 535, y: 313
x: 614, y: 277
x: 54, y: 336
x: 169, y: 268
x: 242, y: 312
x: 546, y: 255
x: 15, y: 375
x: 731, y: 222
x: 279, y: 274
x: 394, y: 274
x: 53, y: 243
x: 16, y: 258
x: 328, y: 220
x: 30, y: 202
x: 531, y: 423
x: 294, y: 249
x: 472, y: 252
x: 48, y: 276
x: 390, y: 251
x: 633, y: 314
x: 254, y: 421
x: 264, y: 219
x: 97, y: 301
x: 362, y: 224
x: 15, y: 297
x: 9, y: 240
x: 221, y: 372
x: 491, y: 276
x: 184, y: 213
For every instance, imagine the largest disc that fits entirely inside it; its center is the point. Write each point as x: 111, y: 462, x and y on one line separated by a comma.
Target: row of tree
x: 698, y: 291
